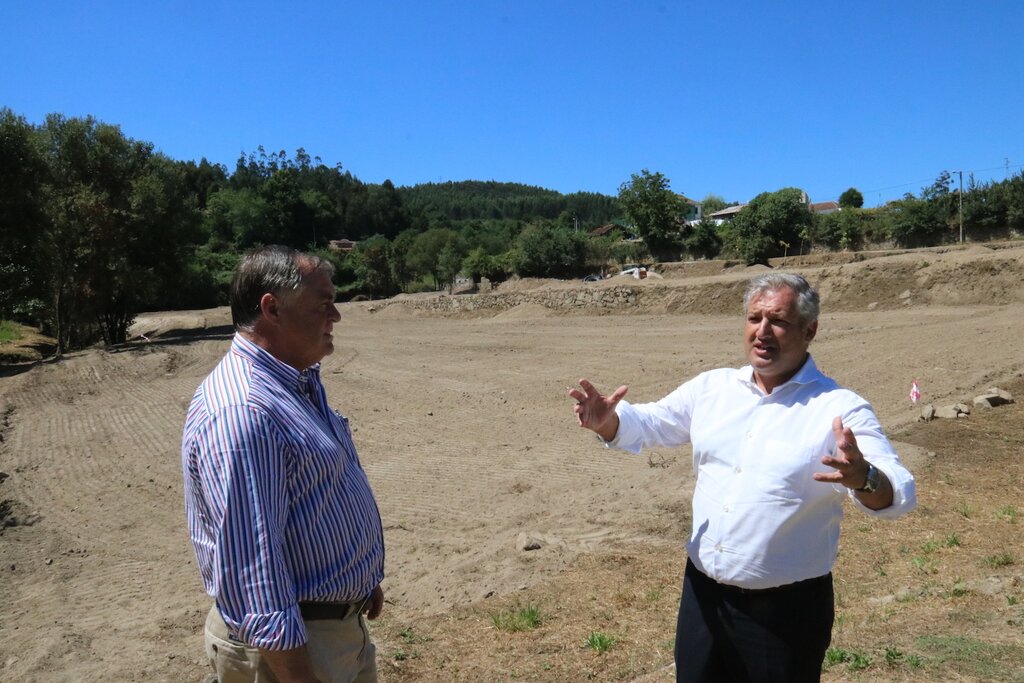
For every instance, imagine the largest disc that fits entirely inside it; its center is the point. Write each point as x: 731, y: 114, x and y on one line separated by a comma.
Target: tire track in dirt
x: 91, y: 450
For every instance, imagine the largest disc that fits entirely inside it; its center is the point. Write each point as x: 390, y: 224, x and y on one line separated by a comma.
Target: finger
x: 588, y: 387
x: 834, y: 462
x: 837, y: 429
x: 828, y: 477
x: 845, y: 440
x: 618, y: 394
x: 578, y: 395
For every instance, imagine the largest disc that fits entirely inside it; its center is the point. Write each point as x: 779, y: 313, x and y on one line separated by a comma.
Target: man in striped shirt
x: 286, y: 530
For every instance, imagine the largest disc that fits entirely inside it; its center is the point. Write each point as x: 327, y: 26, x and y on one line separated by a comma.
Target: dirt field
x: 469, y: 441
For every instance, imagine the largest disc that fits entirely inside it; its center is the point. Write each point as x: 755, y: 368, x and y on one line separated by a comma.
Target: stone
x: 928, y: 412
x: 993, y: 397
x: 528, y: 542
x: 952, y: 412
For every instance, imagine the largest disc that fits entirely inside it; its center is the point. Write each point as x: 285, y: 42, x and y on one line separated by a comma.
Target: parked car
x: 638, y: 272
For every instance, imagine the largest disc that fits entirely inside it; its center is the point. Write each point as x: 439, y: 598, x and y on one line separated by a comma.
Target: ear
x: 269, y: 306
x: 812, y: 330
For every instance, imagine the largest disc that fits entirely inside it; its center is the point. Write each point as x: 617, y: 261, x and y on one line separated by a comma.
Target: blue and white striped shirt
x: 279, y: 508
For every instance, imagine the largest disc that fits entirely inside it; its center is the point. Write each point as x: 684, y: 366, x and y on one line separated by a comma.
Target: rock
x: 954, y: 411
x: 928, y: 412
x: 528, y: 542
x: 993, y: 397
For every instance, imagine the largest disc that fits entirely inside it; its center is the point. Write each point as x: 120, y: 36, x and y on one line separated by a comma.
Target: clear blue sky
x: 731, y: 98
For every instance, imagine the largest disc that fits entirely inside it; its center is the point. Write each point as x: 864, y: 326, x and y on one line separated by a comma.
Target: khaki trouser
x: 341, y: 651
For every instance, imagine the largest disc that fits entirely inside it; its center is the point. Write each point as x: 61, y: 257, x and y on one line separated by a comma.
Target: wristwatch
x: 871, y: 481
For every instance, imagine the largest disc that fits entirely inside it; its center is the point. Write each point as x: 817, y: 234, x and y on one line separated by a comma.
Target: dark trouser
x: 728, y: 634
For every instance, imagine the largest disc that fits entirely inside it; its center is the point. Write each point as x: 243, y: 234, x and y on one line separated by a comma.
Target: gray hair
x: 273, y: 269
x: 808, y: 303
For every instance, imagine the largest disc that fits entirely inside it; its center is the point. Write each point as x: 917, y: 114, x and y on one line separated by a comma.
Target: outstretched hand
x: 851, y: 469
x: 596, y: 412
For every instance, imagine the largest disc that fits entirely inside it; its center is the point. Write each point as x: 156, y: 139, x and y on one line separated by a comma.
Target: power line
x: 1006, y: 166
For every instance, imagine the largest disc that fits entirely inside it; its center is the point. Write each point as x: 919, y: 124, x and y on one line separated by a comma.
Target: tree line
x: 782, y: 223
x: 96, y: 226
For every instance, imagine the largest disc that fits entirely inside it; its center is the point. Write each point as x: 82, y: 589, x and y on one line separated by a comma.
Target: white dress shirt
x: 759, y: 518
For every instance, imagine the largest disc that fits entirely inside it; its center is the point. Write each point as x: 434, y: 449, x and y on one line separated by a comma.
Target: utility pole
x: 961, y: 198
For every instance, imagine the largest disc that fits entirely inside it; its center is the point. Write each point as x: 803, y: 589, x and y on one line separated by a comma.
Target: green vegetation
x: 599, y: 642
x: 1009, y: 513
x: 96, y: 226
x: 855, y: 661
x: 988, y: 661
x: 999, y: 560
x: 519, y: 619
x: 9, y: 331
x: 965, y: 510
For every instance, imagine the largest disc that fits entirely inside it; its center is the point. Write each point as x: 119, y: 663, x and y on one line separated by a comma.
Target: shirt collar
x: 807, y: 373
x: 286, y: 374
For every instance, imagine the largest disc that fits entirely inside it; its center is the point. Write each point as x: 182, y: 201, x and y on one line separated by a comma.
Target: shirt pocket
x: 783, y: 469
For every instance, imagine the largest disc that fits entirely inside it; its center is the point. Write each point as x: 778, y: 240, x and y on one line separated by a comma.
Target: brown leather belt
x: 312, y: 611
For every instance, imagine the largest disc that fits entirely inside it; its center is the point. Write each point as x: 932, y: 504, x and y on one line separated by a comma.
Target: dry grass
x: 936, y: 596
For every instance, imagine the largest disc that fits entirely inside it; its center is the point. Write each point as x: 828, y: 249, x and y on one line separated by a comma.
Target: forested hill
x: 492, y: 200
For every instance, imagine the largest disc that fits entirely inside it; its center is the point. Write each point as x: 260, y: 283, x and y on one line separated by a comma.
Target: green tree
x: 654, y: 210
x: 449, y: 263
x: 768, y: 226
x: 701, y: 240
x: 851, y: 199
x: 401, y: 271
x: 548, y: 250
x: 914, y: 222
x: 119, y: 218
x: 712, y: 203
x: 424, y: 255
x: 22, y: 220
x: 373, y: 266
x: 839, y: 230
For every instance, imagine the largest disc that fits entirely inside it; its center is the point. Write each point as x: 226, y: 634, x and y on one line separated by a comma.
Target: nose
x: 335, y: 314
x: 764, y: 328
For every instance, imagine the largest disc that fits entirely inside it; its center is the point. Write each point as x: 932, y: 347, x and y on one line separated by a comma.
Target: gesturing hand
x: 595, y: 411
x: 850, y: 465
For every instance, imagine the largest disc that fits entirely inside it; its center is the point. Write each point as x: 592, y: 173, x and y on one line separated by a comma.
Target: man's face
x: 306, y: 318
x: 775, y: 339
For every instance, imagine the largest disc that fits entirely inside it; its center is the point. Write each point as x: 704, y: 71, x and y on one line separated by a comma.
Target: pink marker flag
x: 915, y: 392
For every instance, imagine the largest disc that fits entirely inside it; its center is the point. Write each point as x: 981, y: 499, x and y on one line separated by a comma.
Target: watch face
x: 871, y: 481
x: 871, y: 485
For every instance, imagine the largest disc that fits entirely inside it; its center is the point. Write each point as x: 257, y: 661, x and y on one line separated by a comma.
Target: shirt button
x: 725, y: 508
x: 738, y: 470
x: 718, y: 547
x: 750, y: 435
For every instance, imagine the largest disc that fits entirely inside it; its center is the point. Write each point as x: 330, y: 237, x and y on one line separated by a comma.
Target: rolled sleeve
x: 630, y: 436
x: 904, y: 494
x: 254, y: 589
x: 665, y: 423
x: 283, y: 630
x: 877, y: 450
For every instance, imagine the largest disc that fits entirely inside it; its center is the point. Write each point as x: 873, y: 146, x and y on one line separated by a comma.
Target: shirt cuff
x: 283, y: 630
x: 904, y: 498
x: 628, y: 436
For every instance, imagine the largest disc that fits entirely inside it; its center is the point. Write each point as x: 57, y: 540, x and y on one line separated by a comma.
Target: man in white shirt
x: 777, y: 448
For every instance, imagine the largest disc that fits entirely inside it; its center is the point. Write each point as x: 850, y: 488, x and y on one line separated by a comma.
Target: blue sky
x: 730, y: 98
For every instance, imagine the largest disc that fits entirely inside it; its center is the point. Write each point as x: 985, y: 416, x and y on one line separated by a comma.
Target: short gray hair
x: 808, y: 303
x: 273, y: 269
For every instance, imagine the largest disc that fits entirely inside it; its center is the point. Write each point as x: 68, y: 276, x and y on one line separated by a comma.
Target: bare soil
x: 469, y: 441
